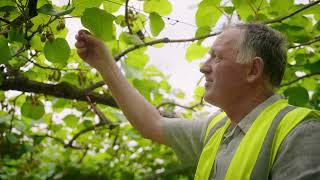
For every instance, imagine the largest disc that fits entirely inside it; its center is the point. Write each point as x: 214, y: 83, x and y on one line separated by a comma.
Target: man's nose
x: 205, y: 68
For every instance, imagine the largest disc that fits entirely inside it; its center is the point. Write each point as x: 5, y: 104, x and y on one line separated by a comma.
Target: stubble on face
x: 225, y: 76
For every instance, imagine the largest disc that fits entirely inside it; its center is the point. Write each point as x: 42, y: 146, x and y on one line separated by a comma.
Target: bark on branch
x: 61, y: 90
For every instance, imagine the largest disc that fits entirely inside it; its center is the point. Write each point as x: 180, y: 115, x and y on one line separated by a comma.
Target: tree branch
x: 126, y: 16
x: 83, y: 155
x: 76, y: 136
x: 163, y: 40
x: 60, y: 141
x: 306, y: 43
x: 93, y: 87
x: 4, y: 20
x: 299, y: 78
x: 185, y: 107
x: 61, y: 90
x: 291, y: 14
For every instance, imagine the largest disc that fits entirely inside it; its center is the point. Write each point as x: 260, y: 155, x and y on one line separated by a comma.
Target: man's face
x: 225, y: 78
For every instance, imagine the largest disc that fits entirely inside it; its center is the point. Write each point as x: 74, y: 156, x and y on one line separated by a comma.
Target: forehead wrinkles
x: 227, y: 41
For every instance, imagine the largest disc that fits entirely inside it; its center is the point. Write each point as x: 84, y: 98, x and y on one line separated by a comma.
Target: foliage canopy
x: 94, y: 140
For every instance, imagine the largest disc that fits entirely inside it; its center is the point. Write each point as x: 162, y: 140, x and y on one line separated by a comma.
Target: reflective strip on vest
x: 291, y: 120
x: 213, y: 122
x: 211, y: 148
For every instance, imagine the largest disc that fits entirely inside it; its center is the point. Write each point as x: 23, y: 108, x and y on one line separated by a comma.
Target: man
x: 257, y: 136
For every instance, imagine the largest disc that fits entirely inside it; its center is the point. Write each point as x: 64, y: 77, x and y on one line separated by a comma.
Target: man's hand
x: 92, y: 50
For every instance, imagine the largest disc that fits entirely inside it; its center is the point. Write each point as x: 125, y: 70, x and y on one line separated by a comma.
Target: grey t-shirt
x: 298, y: 156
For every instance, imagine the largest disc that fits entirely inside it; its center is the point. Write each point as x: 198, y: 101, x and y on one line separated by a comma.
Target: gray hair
x: 266, y: 43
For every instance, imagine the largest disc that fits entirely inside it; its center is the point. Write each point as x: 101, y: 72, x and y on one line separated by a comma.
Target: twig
x: 93, y: 127
x: 48, y: 67
x: 185, y: 107
x: 291, y: 14
x: 101, y: 116
x: 305, y: 44
x: 163, y: 40
x: 4, y: 20
x: 83, y: 155
x: 60, y: 141
x: 126, y: 16
x: 93, y: 87
x: 12, y: 118
x: 299, y: 78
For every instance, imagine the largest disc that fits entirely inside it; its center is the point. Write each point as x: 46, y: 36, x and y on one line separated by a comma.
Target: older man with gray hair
x: 255, y: 135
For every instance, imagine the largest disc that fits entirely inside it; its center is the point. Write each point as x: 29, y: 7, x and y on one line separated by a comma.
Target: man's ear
x: 255, y: 69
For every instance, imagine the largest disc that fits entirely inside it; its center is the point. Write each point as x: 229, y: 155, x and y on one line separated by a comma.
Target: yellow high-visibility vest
x: 246, y: 156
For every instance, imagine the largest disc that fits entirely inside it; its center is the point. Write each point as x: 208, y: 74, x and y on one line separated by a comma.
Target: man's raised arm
x: 141, y: 114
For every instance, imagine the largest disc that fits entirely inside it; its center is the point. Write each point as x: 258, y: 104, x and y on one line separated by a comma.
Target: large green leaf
x: 32, y: 109
x: 99, y: 22
x: 207, y: 13
x: 16, y: 34
x: 156, y: 24
x: 112, y: 6
x: 162, y: 7
x: 57, y: 51
x: 281, y: 7
x: 81, y: 5
x: 137, y: 60
x: 4, y: 51
x: 71, y: 120
x: 49, y: 10
x: 195, y: 51
x: 247, y: 10
x: 297, y: 95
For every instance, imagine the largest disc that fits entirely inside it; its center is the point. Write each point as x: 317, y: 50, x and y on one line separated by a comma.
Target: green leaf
x: 162, y: 7
x: 228, y: 9
x: 207, y: 13
x: 247, y: 9
x: 34, y: 110
x: 71, y: 120
x: 195, y: 51
x: 281, y: 7
x: 113, y: 6
x: 137, y: 60
x: 57, y: 51
x: 156, y: 23
x: 4, y: 51
x: 145, y: 87
x: 16, y: 34
x: 99, y: 22
x: 198, y: 93
x: 179, y: 93
x: 49, y: 10
x: 297, y: 96
x: 12, y: 138
x: 201, y: 31
x: 130, y: 39
x: 81, y: 5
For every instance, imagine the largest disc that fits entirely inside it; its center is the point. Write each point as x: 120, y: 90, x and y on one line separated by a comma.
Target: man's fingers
x: 83, y: 31
x: 80, y: 44
x: 82, y: 51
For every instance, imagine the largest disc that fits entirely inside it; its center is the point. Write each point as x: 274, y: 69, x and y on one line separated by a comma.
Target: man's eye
x: 216, y: 59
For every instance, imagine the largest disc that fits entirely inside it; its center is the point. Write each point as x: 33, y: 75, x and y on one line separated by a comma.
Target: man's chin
x: 210, y: 99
